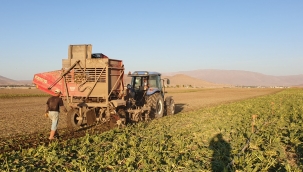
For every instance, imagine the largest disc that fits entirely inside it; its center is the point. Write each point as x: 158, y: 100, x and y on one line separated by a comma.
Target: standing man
x: 52, y: 110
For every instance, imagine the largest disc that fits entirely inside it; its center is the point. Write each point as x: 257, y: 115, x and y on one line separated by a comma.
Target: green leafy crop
x: 259, y: 134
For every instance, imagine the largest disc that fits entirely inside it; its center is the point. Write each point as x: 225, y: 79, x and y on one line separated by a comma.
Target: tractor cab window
x: 136, y: 82
x: 153, y: 81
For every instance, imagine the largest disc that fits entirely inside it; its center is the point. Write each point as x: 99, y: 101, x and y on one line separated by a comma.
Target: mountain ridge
x: 243, y: 78
x: 7, y: 81
x: 209, y: 78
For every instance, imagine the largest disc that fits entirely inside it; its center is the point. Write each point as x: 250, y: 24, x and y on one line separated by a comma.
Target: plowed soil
x: 22, y: 118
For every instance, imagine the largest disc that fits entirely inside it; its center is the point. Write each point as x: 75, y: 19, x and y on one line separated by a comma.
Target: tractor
x: 146, y: 96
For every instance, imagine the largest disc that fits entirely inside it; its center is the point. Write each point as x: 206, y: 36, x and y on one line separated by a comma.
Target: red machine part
x: 44, y: 80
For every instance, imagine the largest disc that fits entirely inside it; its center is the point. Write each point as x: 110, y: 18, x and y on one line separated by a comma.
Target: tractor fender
x: 151, y: 91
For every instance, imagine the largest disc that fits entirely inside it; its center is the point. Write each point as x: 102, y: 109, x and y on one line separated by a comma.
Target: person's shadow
x: 221, y: 154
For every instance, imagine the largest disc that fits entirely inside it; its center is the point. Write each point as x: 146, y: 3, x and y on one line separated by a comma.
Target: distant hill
x: 26, y: 82
x: 210, y: 78
x: 242, y: 78
x: 181, y: 79
x: 7, y: 81
x: 184, y: 80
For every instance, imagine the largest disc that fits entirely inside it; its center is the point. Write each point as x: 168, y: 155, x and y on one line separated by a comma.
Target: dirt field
x: 192, y: 99
x: 25, y: 115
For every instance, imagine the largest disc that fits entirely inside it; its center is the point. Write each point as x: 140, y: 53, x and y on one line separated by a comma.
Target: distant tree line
x: 14, y: 86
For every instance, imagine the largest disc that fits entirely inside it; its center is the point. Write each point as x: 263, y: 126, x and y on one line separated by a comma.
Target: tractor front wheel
x: 156, y: 103
x: 170, y: 108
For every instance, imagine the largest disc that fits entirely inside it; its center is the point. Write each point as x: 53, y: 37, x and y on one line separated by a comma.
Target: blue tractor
x: 146, y: 98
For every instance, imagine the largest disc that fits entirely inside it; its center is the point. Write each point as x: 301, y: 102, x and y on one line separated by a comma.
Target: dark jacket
x: 54, y: 103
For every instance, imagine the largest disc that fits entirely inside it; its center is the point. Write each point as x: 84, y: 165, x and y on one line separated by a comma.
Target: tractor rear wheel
x: 156, y: 104
x: 170, y: 109
x: 73, y: 119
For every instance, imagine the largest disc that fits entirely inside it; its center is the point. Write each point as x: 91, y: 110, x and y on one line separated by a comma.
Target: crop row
x: 259, y: 134
x: 5, y: 96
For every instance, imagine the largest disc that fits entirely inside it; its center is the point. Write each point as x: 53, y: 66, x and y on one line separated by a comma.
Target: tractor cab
x: 145, y: 83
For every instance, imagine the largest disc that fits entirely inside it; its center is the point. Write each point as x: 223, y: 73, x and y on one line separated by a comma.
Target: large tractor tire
x: 73, y: 122
x: 170, y: 108
x: 156, y: 103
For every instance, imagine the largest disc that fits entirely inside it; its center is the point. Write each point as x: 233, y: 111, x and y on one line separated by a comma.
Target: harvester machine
x: 93, y: 90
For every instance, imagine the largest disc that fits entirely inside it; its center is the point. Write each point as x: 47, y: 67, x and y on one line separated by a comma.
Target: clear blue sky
x: 264, y: 36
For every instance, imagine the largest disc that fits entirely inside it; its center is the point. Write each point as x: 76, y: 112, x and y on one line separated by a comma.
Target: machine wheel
x: 118, y: 120
x: 73, y: 122
x: 156, y: 103
x: 170, y: 109
x: 122, y: 115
